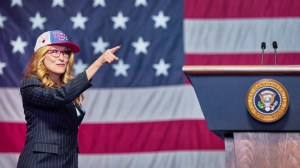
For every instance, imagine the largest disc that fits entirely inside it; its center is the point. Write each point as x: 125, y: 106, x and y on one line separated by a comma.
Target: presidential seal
x: 267, y: 100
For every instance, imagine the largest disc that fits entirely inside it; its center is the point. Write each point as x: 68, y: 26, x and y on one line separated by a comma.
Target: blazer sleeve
x: 33, y: 92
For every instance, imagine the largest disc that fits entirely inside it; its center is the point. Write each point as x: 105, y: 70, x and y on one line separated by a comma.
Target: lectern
x: 255, y: 109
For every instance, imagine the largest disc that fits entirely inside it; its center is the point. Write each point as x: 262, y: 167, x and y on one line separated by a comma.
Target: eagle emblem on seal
x: 267, y: 100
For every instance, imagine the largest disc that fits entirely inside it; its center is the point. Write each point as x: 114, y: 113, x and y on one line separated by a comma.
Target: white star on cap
x: 99, y: 45
x: 140, y: 46
x: 140, y: 2
x: 2, y: 65
x: 161, y: 68
x: 18, y: 45
x: 57, y: 3
x: 2, y: 19
x: 78, y: 21
x: 160, y: 20
x: 37, y: 21
x: 99, y: 2
x: 16, y: 2
x: 79, y: 67
x: 119, y: 21
x: 120, y: 68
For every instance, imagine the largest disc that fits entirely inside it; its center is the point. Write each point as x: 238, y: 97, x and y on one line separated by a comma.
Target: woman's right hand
x: 108, y: 56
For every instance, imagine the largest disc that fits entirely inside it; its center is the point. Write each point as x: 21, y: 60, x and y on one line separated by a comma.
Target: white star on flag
x: 2, y: 19
x: 57, y: 3
x: 99, y: 2
x: 78, y: 21
x: 79, y: 67
x: 37, y: 21
x: 160, y: 20
x: 140, y: 46
x: 99, y: 45
x: 18, y: 45
x: 140, y: 2
x: 2, y: 65
x: 16, y: 2
x: 119, y: 21
x: 120, y: 68
x: 161, y: 68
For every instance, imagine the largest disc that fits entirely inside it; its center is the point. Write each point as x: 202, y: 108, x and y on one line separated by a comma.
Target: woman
x: 52, y: 102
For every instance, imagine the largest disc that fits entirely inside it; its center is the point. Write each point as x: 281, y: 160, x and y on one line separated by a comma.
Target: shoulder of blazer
x: 31, y: 81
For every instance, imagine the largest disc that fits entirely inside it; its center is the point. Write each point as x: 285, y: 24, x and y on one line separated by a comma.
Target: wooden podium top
x: 242, y: 70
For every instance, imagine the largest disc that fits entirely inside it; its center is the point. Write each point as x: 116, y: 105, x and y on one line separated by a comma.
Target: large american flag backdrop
x: 141, y: 111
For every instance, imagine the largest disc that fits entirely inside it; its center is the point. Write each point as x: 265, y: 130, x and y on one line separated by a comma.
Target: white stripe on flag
x: 11, y: 105
x: 9, y: 160
x: 240, y: 35
x: 180, y: 159
x: 121, y: 105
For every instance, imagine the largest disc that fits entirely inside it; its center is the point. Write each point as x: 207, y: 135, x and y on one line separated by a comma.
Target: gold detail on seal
x: 280, y: 110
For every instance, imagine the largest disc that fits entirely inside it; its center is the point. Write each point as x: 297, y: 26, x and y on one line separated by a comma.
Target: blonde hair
x: 37, y: 69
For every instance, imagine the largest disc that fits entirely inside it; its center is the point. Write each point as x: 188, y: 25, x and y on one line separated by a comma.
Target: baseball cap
x: 55, y: 37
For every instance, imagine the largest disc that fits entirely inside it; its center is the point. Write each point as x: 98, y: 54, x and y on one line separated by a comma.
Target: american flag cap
x: 55, y: 37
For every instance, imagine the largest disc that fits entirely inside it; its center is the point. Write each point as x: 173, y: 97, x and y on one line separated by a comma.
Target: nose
x: 61, y: 58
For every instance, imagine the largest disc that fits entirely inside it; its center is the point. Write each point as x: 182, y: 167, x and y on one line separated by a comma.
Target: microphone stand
x: 275, y: 56
x: 262, y: 57
x: 275, y: 46
x: 263, y: 47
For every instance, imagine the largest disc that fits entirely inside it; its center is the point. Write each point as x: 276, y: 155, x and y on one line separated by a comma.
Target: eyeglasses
x: 56, y: 53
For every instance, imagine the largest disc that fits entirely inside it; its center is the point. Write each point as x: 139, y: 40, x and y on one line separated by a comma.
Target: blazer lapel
x: 72, y: 112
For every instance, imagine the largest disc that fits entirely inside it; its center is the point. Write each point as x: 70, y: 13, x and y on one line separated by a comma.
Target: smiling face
x: 56, y: 60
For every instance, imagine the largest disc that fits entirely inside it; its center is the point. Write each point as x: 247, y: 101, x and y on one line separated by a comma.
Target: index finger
x: 113, y: 50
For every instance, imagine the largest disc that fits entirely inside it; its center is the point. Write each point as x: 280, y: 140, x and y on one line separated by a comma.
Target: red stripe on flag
x: 12, y: 136
x: 241, y: 9
x: 242, y: 59
x: 148, y: 136
x: 127, y: 137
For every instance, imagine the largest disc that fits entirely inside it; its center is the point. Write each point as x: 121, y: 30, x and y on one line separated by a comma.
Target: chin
x: 59, y: 72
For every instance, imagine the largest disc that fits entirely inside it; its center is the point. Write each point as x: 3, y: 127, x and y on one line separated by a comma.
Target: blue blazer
x: 52, y: 123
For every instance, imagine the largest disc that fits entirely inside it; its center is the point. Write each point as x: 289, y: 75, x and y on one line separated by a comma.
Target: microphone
x: 263, y: 47
x: 275, y: 46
